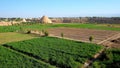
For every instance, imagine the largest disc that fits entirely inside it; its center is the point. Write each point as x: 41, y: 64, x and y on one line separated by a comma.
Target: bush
x: 96, y: 65
x: 28, y: 32
x: 21, y: 29
x: 91, y: 38
x: 62, y: 35
x: 46, y: 33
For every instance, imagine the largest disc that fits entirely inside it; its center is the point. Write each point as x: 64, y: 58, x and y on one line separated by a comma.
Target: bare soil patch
x: 83, y: 34
x: 117, y: 41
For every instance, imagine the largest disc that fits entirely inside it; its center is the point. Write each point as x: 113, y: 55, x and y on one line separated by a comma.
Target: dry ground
x: 84, y: 34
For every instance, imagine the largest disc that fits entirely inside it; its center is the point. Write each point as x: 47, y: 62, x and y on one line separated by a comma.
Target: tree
x: 91, y: 38
x: 18, y: 19
x: 62, y: 35
x: 45, y: 32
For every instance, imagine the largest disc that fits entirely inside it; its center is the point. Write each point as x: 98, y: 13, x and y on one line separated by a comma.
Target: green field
x: 110, y: 59
x: 27, y: 51
x: 46, y: 26
x: 12, y: 36
x: 12, y: 59
x: 58, y: 52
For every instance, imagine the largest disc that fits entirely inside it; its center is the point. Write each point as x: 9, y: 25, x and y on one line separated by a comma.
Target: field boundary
x: 51, y: 35
x: 112, y: 37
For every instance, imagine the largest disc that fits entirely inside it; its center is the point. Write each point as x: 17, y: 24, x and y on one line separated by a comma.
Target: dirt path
x: 96, y: 56
x: 108, y: 42
x: 110, y: 38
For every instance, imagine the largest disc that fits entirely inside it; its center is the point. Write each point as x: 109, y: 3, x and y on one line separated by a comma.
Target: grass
x: 46, y: 26
x: 12, y: 37
x: 88, y: 26
x: 59, y: 52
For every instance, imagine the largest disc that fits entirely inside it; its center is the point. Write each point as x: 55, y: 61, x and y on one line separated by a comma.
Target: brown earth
x: 3, y: 23
x: 100, y: 36
x: 117, y: 41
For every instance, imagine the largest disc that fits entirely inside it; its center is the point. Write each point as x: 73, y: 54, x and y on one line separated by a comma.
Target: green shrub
x: 91, y: 38
x: 46, y: 33
x: 62, y: 35
x: 111, y: 59
x: 96, y: 65
x: 28, y: 32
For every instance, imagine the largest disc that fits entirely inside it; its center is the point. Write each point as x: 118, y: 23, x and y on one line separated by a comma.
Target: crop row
x: 11, y: 59
x: 59, y: 52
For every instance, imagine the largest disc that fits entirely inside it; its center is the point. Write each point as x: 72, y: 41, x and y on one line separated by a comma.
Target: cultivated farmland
x: 24, y: 27
x: 46, y: 52
x: 59, y: 52
x: 12, y: 59
x: 84, y: 34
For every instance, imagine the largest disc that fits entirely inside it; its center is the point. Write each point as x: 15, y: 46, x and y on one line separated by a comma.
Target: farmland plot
x: 59, y: 52
x: 35, y: 26
x: 83, y: 34
x: 11, y: 59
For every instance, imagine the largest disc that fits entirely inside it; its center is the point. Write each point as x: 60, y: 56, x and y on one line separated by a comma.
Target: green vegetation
x: 11, y: 59
x: 37, y: 26
x: 18, y: 19
x: 59, y: 52
x: 110, y: 59
x: 8, y: 28
x: 11, y: 37
x: 46, y: 33
x: 28, y: 32
x: 62, y: 35
x: 91, y: 38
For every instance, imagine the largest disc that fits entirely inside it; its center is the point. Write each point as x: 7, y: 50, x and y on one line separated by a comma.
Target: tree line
x: 108, y: 20
x: 100, y: 20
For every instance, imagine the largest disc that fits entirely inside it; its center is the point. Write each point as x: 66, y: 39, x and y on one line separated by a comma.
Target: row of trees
x: 108, y: 20
x: 11, y: 19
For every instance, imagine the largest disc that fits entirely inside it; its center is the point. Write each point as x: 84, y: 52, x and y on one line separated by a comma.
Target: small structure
x: 24, y: 20
x: 45, y: 20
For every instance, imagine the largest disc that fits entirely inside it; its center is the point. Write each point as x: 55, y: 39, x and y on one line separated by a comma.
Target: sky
x: 59, y: 8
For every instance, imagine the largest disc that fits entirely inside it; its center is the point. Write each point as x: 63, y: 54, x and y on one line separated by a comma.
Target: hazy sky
x: 59, y: 8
